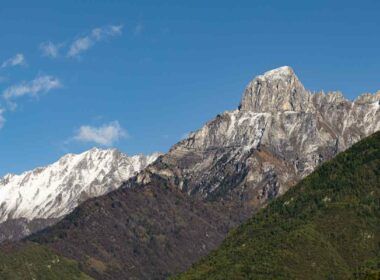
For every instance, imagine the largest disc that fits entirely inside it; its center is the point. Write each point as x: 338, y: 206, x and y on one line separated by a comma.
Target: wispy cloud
x: 16, y: 60
x: 105, y: 135
x: 50, y: 49
x: 107, y: 31
x: 2, y: 119
x: 42, y: 84
x: 83, y: 43
x: 79, y: 46
x: 139, y: 27
x: 34, y: 88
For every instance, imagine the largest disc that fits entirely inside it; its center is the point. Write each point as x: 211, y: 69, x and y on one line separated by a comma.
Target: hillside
x: 326, y: 227
x: 36, y: 262
x: 142, y: 233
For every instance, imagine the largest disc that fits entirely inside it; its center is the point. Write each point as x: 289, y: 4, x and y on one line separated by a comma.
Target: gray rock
x: 280, y: 133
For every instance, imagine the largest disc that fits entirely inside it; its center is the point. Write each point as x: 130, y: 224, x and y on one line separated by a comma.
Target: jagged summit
x: 275, y: 90
x: 280, y: 90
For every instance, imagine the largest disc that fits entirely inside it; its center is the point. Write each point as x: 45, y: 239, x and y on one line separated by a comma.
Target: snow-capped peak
x: 55, y: 190
x: 278, y: 73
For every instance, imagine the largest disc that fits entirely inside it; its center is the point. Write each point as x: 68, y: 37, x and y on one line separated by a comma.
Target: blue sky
x: 138, y: 75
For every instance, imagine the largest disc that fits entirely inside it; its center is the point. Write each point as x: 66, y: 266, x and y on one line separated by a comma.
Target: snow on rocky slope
x: 53, y: 191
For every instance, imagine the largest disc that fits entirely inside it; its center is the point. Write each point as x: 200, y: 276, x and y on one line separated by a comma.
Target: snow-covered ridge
x: 55, y: 190
x: 277, y: 74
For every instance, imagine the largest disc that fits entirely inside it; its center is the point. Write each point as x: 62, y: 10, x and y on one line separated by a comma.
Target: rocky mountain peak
x: 275, y: 90
x: 280, y: 90
x: 281, y: 132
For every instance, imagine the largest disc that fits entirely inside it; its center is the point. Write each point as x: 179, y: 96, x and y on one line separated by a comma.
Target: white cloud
x: 105, y: 135
x: 18, y: 59
x: 107, y: 31
x: 32, y: 88
x: 35, y: 87
x: 79, y: 46
x: 50, y: 49
x: 97, y: 34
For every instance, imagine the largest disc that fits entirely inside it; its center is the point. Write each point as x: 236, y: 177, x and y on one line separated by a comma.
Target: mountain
x: 280, y: 133
x: 44, y: 195
x: 326, y: 227
x: 181, y: 207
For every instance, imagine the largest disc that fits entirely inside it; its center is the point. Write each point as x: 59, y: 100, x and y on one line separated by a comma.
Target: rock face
x: 275, y: 91
x: 49, y: 193
x: 229, y: 168
x: 280, y: 133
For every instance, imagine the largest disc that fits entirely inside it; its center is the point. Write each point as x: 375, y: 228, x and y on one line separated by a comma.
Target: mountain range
x: 42, y: 196
x: 180, y: 207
